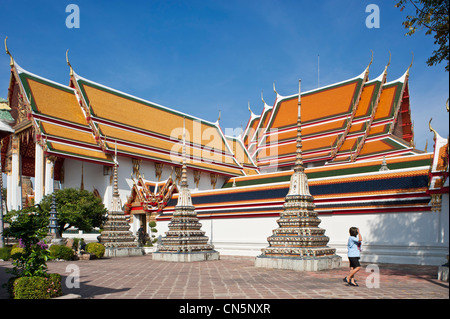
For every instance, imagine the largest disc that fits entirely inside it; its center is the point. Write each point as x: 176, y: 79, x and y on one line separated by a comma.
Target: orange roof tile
x: 57, y: 114
x: 366, y: 100
x: 150, y: 130
x: 54, y: 101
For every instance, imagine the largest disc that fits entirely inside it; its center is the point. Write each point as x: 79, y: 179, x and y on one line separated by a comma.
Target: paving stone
x: 235, y: 277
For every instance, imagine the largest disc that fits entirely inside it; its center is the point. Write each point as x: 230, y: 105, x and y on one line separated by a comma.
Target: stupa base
x: 299, y: 264
x: 123, y: 251
x: 186, y: 257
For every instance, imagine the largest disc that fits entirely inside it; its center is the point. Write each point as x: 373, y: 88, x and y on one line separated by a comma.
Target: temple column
x: 16, y: 190
x: 49, y: 167
x: 8, y: 187
x: 38, y: 174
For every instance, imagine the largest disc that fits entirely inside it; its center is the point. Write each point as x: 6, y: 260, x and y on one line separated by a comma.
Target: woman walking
x: 354, y: 253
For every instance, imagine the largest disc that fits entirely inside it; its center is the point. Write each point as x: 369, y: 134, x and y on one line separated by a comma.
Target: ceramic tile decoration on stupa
x: 185, y: 241
x: 116, y: 236
x: 298, y: 243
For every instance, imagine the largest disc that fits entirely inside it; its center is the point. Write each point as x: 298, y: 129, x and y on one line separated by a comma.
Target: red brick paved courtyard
x: 237, y: 278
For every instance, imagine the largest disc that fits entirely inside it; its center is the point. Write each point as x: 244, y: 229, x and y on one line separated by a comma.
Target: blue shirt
x: 353, y: 250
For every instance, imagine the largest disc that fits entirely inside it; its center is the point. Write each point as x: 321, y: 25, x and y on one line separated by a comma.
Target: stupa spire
x: 299, y: 181
x: 184, y: 197
x: 116, y: 203
x: 116, y: 236
x: 299, y: 156
x: 183, y: 167
x: 185, y: 241
x: 298, y: 243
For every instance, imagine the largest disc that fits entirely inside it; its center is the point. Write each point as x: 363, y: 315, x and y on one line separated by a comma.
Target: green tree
x: 433, y: 16
x: 77, y: 208
x: 29, y: 226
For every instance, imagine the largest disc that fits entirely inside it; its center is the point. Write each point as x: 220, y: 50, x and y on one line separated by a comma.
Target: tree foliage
x: 77, y: 208
x: 29, y: 226
x: 433, y: 16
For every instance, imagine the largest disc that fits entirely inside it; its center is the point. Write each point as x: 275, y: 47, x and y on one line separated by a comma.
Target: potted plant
x: 149, y: 247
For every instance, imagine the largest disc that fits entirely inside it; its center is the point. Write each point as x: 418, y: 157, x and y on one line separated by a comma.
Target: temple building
x: 358, y: 153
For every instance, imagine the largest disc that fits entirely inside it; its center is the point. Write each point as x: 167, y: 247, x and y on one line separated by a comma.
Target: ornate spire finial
x: 409, y: 67
x: 183, y: 168
x: 371, y: 60
x: 68, y: 63
x: 250, y: 108
x: 389, y: 63
x: 116, y: 204
x: 299, y: 157
x: 218, y: 119
x: 432, y: 129
x: 274, y: 88
x: 11, y: 61
x: 184, y: 197
x: 262, y: 98
x: 384, y: 166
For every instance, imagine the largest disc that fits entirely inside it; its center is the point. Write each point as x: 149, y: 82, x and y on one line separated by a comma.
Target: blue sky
x: 201, y: 56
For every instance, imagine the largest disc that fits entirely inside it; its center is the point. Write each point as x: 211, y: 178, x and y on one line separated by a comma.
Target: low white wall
x: 410, y: 238
x: 402, y: 238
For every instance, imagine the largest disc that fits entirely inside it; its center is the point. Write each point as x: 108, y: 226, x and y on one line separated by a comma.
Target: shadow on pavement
x: 86, y: 291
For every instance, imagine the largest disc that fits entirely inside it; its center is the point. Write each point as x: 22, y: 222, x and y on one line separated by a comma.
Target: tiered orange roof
x: 89, y: 121
x: 342, y: 122
x: 58, y: 119
x: 146, y: 130
x: 326, y: 115
x: 391, y: 129
x: 362, y: 120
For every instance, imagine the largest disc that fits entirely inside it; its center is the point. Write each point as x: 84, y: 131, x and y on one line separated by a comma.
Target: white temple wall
x: 400, y: 238
x: 93, y: 177
x: 409, y: 237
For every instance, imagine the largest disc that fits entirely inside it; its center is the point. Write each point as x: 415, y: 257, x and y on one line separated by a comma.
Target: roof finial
x: 262, y: 98
x: 11, y: 61
x: 389, y: 63
x: 68, y: 63
x: 274, y: 88
x: 218, y: 119
x: 371, y: 60
x: 409, y: 67
x: 299, y: 159
x: 446, y: 105
x: 432, y: 129
x: 249, y: 108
